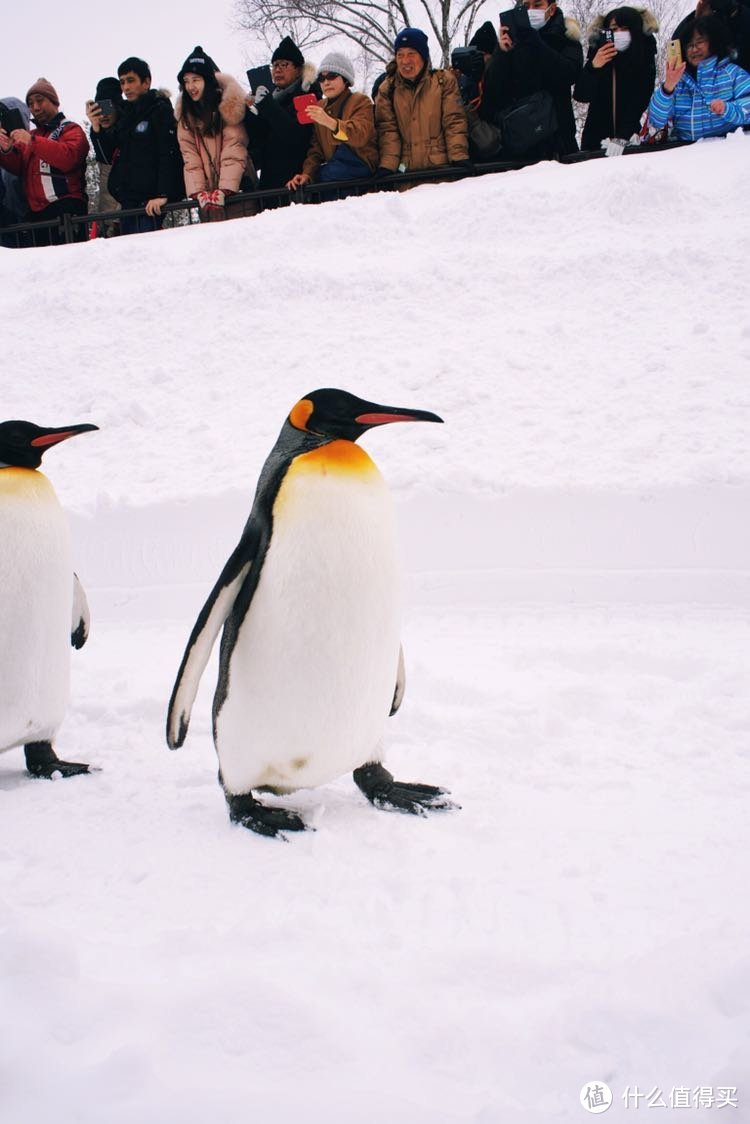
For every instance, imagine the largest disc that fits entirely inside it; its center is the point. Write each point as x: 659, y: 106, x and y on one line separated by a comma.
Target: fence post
x: 67, y: 225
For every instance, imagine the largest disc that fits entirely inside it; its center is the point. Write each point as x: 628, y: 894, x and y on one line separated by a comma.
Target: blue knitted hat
x: 414, y: 38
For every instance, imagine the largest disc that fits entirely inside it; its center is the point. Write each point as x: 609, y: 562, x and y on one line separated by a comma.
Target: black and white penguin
x: 42, y: 603
x: 310, y: 662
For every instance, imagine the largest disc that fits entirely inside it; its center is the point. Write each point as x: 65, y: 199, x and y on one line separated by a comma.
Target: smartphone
x: 608, y: 36
x: 674, y: 52
x: 10, y: 119
x: 107, y: 106
x: 301, y: 103
x: 259, y: 76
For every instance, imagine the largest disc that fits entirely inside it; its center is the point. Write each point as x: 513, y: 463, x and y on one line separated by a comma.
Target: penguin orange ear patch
x: 300, y: 414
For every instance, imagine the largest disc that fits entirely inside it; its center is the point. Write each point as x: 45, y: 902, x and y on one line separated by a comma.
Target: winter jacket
x: 53, y: 165
x: 143, y: 151
x: 421, y: 123
x: 688, y: 105
x: 356, y: 129
x: 551, y: 60
x: 618, y: 93
x: 278, y: 142
x: 216, y: 159
x: 737, y: 26
x: 12, y: 199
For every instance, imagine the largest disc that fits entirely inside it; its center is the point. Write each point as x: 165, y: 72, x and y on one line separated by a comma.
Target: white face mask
x: 537, y: 18
x: 622, y: 40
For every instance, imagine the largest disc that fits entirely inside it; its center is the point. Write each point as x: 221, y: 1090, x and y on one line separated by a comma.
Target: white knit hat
x: 338, y: 63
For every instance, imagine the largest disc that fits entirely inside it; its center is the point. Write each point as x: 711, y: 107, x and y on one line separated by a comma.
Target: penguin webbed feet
x: 42, y: 761
x: 261, y: 818
x: 385, y: 793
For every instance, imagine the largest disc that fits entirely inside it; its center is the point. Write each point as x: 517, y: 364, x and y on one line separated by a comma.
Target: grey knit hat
x: 338, y: 63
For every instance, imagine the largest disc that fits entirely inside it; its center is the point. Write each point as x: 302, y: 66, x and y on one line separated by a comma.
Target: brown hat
x: 46, y: 89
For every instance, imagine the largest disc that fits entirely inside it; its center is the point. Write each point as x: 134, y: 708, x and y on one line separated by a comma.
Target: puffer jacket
x: 688, y: 106
x: 53, y: 165
x: 618, y: 92
x: 354, y: 114
x: 216, y: 159
x: 278, y: 141
x: 421, y: 124
x: 143, y: 151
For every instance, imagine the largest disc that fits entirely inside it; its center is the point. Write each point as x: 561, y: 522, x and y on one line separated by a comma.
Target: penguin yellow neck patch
x: 25, y: 483
x: 340, y: 458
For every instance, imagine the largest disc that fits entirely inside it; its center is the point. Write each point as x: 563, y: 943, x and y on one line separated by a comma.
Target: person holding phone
x: 50, y: 162
x: 538, y: 61
x: 104, y: 109
x: 706, y: 95
x: 13, y: 205
x: 212, y: 137
x: 278, y: 139
x: 735, y: 17
x: 619, y: 75
x: 344, y: 146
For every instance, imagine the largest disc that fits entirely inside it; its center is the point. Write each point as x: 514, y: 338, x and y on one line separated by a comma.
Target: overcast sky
x: 74, y: 45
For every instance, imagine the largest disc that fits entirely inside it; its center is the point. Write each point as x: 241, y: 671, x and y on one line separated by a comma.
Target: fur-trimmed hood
x: 572, y: 29
x: 309, y: 76
x: 232, y: 104
x: 649, y: 22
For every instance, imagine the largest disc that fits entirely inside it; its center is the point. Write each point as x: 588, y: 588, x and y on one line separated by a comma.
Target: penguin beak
x: 384, y: 415
x: 49, y: 437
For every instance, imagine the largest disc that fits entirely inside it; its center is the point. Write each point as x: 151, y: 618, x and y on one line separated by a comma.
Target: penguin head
x: 23, y: 444
x: 338, y: 415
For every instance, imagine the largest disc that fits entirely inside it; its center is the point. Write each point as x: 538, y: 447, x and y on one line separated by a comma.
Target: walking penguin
x: 310, y: 661
x: 42, y: 603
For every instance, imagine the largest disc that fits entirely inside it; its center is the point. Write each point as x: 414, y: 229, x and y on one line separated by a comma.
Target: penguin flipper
x: 398, y: 694
x: 205, y: 630
x: 81, y: 623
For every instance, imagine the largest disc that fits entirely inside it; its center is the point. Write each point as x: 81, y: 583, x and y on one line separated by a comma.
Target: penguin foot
x: 42, y: 761
x: 261, y: 818
x: 384, y: 792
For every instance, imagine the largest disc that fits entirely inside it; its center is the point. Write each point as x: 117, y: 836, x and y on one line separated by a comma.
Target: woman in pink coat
x: 213, y: 141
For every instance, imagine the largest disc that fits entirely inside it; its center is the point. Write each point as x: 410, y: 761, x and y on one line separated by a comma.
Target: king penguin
x: 310, y: 660
x: 42, y: 603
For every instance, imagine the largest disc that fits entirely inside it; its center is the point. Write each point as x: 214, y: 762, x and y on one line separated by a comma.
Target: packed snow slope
x: 577, y: 640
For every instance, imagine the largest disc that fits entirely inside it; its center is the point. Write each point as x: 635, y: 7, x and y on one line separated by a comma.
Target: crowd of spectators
x: 509, y: 95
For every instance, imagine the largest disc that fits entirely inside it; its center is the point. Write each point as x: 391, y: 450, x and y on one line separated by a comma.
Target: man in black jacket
x: 539, y: 50
x: 142, y: 148
x: 277, y: 140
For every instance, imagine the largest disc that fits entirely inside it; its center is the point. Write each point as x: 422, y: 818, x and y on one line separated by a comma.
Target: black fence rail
x: 82, y: 228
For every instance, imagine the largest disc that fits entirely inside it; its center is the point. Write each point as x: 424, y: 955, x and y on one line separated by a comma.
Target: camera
x: 469, y: 61
x: 10, y: 119
x: 107, y: 107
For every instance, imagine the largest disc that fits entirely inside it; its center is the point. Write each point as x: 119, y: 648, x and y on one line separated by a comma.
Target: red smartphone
x: 301, y: 103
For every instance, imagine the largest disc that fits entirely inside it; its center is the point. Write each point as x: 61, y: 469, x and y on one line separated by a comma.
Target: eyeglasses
x: 328, y: 77
x: 281, y: 65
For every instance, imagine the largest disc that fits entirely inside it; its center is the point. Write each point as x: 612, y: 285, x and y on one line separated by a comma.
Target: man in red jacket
x: 51, y: 162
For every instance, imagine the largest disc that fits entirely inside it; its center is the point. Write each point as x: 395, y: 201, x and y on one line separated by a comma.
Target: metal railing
x: 78, y: 228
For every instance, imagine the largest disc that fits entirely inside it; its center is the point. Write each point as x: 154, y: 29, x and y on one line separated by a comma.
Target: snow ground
x: 577, y: 626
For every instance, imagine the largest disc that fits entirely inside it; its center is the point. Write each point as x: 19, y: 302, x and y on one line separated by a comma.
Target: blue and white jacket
x: 688, y: 104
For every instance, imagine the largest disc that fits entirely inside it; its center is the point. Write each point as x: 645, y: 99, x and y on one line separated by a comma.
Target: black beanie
x: 484, y: 38
x: 288, y: 51
x: 200, y: 63
x: 108, y: 88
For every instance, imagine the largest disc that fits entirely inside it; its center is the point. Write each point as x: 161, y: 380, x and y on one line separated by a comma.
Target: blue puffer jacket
x: 688, y: 105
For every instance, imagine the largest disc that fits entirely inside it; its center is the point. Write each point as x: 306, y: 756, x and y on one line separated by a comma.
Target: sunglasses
x: 328, y: 77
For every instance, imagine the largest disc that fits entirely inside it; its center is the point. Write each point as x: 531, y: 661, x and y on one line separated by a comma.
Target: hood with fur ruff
x: 232, y: 104
x: 649, y: 22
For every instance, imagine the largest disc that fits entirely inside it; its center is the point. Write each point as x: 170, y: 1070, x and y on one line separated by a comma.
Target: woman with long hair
x: 213, y: 141
x: 619, y: 75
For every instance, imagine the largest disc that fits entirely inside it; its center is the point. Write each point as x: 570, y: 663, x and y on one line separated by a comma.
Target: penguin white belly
x: 36, y: 601
x: 313, y: 671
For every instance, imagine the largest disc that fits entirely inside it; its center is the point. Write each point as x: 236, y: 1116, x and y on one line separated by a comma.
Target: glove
x: 210, y: 199
x: 613, y: 146
x: 260, y: 93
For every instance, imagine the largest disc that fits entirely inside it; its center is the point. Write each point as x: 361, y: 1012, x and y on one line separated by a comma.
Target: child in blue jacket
x: 707, y: 95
